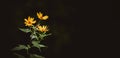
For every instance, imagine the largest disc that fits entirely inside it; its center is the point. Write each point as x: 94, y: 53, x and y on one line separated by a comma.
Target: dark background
x: 116, y: 14
x: 70, y: 21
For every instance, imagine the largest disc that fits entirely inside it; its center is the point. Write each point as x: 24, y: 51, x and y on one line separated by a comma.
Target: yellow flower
x: 41, y: 17
x: 30, y: 21
x: 42, y: 28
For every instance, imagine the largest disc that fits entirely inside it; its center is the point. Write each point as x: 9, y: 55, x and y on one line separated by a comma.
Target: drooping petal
x: 45, y: 17
x: 25, y: 19
x: 34, y: 22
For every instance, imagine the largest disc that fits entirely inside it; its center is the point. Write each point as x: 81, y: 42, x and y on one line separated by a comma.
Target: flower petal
x: 45, y: 17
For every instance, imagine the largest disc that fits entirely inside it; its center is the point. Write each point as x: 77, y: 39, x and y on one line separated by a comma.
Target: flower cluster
x: 37, y: 33
x: 30, y: 21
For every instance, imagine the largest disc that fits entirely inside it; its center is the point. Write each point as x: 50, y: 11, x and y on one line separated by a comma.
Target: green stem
x: 34, y: 31
x: 28, y: 46
x: 27, y: 52
x: 39, y: 50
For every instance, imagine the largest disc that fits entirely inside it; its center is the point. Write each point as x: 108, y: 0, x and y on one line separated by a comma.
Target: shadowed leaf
x: 19, y: 56
x: 20, y: 47
x: 25, y: 30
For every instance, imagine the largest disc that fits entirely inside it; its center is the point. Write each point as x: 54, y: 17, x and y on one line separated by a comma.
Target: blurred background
x: 69, y: 22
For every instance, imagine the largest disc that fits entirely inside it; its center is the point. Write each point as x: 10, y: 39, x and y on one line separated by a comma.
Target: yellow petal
x: 32, y: 19
x: 28, y: 17
x: 39, y: 15
x: 45, y: 17
x: 34, y: 22
x: 25, y: 19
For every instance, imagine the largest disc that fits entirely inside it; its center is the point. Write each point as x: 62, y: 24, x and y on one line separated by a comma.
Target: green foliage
x: 37, y: 45
x: 19, y: 56
x: 25, y: 30
x: 42, y: 45
x: 34, y: 36
x: 37, y: 33
x: 41, y: 36
x: 28, y: 46
x: 20, y: 47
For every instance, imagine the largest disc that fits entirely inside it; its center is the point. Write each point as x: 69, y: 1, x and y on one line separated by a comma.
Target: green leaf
x: 19, y: 56
x: 34, y: 28
x: 36, y: 56
x: 33, y: 36
x: 43, y: 35
x: 35, y: 44
x: 48, y: 34
x: 42, y: 45
x: 25, y: 30
x: 28, y: 46
x: 20, y: 47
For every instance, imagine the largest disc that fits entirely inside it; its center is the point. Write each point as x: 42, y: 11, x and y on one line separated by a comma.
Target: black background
x: 71, y: 23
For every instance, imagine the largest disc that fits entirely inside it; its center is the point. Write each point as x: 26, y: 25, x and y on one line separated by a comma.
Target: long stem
x: 39, y: 49
x: 28, y: 46
x: 27, y: 52
x: 34, y: 31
